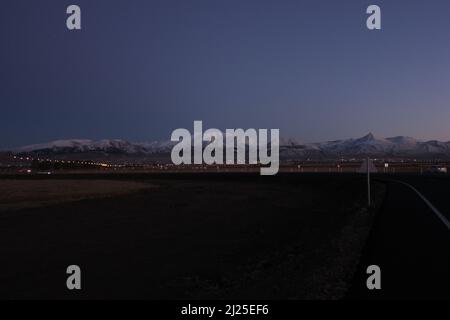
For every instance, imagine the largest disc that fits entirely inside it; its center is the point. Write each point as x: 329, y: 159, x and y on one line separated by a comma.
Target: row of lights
x: 99, y: 164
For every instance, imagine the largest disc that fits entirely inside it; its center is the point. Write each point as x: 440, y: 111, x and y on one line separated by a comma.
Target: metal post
x: 368, y: 183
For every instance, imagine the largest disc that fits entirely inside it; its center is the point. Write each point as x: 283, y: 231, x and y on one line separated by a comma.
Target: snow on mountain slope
x: 75, y: 143
x: 369, y: 144
x: 84, y: 145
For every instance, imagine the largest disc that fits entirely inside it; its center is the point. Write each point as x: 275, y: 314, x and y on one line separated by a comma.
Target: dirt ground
x: 19, y: 194
x: 211, y: 236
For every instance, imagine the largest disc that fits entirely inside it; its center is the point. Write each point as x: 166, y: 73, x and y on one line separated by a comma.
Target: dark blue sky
x: 140, y: 69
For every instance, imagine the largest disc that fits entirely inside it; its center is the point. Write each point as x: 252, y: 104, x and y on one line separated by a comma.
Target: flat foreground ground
x: 19, y: 194
x: 184, y: 236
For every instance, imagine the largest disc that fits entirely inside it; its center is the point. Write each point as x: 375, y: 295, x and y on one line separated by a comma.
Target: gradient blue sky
x: 140, y: 69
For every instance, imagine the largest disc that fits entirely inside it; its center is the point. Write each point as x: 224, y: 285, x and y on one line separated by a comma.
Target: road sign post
x: 368, y: 183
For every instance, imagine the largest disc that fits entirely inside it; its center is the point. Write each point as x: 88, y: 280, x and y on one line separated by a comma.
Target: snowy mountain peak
x: 368, y: 137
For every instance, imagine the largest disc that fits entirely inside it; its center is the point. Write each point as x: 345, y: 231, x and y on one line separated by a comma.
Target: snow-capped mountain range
x: 105, y: 146
x: 368, y: 145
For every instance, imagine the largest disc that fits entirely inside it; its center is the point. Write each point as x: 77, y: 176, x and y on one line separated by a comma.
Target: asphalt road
x: 409, y: 242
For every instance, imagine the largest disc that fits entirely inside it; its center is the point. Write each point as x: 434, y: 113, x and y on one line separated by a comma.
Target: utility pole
x: 368, y: 183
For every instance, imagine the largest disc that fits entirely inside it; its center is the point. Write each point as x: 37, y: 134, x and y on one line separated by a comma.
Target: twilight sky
x: 140, y: 69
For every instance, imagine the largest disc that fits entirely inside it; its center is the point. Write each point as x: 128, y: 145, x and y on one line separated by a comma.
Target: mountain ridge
x: 367, y: 145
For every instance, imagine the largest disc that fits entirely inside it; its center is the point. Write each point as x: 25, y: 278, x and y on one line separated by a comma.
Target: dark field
x: 296, y: 236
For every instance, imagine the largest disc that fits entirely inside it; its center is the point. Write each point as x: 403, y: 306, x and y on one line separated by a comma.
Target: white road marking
x: 429, y: 204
